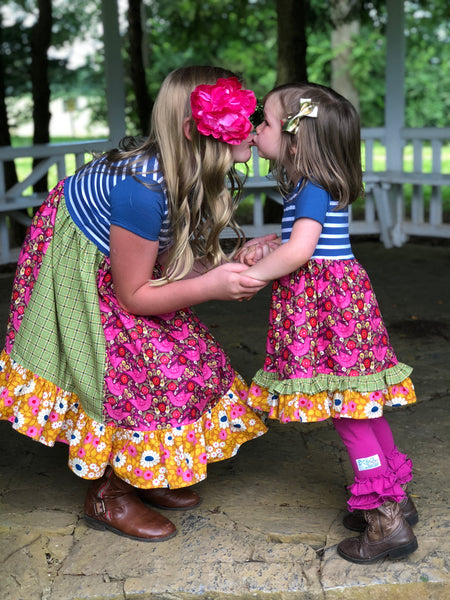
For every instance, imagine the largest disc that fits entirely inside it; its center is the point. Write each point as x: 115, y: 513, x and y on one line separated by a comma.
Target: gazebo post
x: 395, y: 85
x: 114, y: 72
x: 394, y: 111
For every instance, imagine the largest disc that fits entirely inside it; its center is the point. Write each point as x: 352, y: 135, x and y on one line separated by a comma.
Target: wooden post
x: 114, y: 72
x: 394, y: 112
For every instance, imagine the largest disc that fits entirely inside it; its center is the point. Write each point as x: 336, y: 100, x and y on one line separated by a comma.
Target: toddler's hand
x: 271, y: 237
x: 251, y: 254
x: 247, y: 255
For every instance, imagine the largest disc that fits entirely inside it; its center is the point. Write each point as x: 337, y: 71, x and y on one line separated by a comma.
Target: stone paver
x: 270, y: 517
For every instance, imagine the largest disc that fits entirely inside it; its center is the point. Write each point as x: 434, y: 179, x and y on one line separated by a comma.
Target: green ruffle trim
x: 333, y: 383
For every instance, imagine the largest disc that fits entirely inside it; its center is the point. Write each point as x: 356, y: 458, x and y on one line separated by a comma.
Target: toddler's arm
x: 290, y: 256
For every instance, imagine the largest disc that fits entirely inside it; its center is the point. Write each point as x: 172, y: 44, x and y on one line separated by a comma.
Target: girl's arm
x: 132, y: 261
x: 199, y: 267
x: 288, y: 257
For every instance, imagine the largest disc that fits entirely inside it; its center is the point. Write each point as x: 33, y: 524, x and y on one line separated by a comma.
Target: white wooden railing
x: 14, y: 200
x: 384, y: 211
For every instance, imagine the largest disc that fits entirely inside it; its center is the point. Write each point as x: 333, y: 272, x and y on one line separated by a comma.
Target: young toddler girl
x: 328, y: 351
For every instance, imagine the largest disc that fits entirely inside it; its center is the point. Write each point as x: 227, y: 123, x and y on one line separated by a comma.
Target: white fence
x: 397, y: 203
x: 13, y: 201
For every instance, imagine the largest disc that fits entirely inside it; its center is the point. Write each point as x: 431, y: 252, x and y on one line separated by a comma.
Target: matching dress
x: 154, y: 397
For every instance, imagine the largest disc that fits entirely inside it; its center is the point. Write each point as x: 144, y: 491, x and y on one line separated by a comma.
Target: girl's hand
x: 257, y: 248
x: 288, y: 257
x: 247, y: 255
x: 259, y: 240
x: 228, y: 282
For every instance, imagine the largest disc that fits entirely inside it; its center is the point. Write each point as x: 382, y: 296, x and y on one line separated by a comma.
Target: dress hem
x: 173, y: 457
x: 333, y: 383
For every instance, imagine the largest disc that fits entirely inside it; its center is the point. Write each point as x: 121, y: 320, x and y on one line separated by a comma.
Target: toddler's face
x: 268, y: 133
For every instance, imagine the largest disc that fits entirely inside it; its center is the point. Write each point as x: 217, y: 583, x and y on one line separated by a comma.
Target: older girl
x: 102, y: 352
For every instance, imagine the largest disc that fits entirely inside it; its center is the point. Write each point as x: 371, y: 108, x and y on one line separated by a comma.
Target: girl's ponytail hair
x: 203, y: 187
x: 196, y: 172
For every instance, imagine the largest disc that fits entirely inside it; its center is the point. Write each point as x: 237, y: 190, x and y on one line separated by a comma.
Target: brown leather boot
x: 114, y: 505
x: 387, y: 534
x: 179, y: 499
x: 355, y: 520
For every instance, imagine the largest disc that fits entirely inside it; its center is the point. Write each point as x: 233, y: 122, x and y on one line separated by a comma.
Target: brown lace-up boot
x: 114, y: 505
x: 179, y: 499
x: 387, y: 534
x: 355, y: 520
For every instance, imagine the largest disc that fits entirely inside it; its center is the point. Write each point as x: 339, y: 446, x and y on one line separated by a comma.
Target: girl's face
x: 268, y: 133
x: 241, y: 152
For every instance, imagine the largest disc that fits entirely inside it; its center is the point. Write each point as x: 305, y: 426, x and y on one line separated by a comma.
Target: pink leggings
x: 380, y: 469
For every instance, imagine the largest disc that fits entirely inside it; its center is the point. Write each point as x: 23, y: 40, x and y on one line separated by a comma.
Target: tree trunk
x: 344, y: 17
x: 137, y: 67
x: 16, y: 230
x: 291, y: 62
x: 40, y: 43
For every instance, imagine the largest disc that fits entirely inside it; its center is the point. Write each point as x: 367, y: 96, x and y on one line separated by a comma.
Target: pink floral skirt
x: 328, y: 352
x: 154, y: 397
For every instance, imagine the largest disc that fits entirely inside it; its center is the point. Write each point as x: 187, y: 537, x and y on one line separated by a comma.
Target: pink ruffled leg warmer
x: 399, y: 463
x: 380, y: 469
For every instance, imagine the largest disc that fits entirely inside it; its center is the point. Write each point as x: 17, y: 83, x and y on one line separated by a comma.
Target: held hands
x: 256, y: 249
x: 227, y: 282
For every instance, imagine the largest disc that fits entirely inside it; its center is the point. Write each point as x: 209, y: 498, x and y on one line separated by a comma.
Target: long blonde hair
x: 325, y: 150
x: 196, y: 172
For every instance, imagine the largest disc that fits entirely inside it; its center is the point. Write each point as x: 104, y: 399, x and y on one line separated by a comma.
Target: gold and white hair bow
x: 307, y: 109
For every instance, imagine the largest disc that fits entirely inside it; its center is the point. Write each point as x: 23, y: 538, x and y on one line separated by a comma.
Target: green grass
x: 24, y: 165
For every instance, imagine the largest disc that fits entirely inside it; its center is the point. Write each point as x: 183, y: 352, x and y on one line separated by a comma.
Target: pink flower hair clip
x: 223, y: 110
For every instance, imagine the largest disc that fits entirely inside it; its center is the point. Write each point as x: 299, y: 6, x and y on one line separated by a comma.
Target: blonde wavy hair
x: 325, y: 150
x: 203, y: 187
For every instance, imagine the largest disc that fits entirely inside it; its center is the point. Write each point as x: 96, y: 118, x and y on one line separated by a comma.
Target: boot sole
x: 393, y: 553
x: 412, y: 520
x: 161, y: 507
x: 100, y: 526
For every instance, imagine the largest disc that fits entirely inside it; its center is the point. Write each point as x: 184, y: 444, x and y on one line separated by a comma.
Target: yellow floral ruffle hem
x: 325, y: 404
x: 173, y: 457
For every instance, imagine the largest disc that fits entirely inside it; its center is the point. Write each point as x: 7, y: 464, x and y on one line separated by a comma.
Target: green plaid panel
x: 61, y: 337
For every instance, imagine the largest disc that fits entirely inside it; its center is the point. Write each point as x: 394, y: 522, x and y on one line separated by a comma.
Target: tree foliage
x: 240, y: 35
x: 426, y: 63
